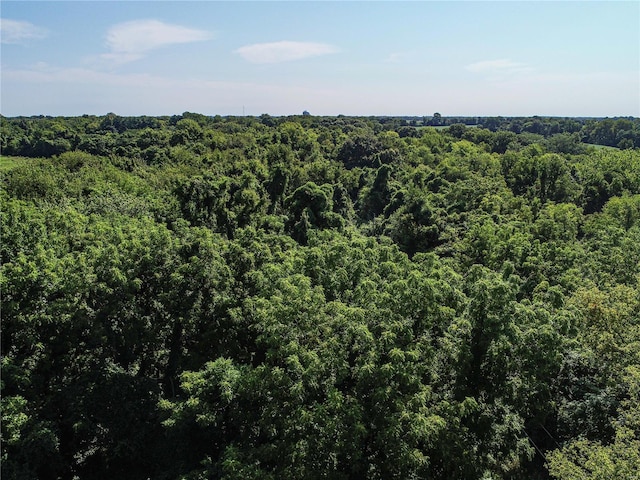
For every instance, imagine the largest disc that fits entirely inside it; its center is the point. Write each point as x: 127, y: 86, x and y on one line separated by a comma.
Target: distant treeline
x: 46, y: 136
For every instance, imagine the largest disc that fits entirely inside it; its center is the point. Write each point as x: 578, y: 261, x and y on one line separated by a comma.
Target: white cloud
x: 284, y: 51
x: 502, y: 66
x: 16, y: 31
x: 130, y: 41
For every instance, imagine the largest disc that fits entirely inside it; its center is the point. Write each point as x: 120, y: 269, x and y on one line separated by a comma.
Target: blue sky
x: 576, y: 58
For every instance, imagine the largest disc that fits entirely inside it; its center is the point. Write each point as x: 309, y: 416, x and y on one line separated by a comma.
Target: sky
x: 407, y: 58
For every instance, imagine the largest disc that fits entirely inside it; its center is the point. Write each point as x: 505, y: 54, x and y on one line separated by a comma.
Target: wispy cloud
x: 74, y: 91
x: 399, y: 57
x: 132, y: 40
x: 16, y: 31
x: 284, y: 51
x: 501, y: 66
x: 42, y: 73
x: 141, y: 93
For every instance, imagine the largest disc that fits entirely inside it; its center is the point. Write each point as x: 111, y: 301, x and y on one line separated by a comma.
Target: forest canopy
x: 303, y: 297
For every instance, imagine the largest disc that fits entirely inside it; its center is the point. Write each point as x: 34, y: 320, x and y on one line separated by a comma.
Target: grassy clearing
x: 601, y: 147
x: 7, y: 163
x: 442, y: 127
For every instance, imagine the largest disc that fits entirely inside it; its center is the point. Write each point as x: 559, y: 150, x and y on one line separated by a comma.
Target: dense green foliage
x: 306, y: 297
